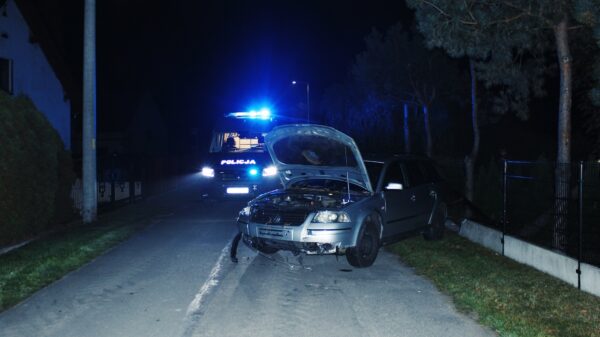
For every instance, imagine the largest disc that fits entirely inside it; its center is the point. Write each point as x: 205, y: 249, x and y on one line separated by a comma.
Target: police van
x: 238, y: 164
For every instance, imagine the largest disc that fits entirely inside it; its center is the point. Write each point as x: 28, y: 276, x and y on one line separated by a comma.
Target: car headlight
x: 269, y: 171
x: 331, y: 216
x: 208, y: 172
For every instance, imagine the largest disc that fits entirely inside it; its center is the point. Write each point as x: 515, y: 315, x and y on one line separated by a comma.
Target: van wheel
x: 436, y: 229
x: 367, y: 246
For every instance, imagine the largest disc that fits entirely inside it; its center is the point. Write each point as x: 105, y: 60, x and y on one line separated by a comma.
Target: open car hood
x: 306, y: 151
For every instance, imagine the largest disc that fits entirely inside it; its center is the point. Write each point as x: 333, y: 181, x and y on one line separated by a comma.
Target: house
x: 29, y: 67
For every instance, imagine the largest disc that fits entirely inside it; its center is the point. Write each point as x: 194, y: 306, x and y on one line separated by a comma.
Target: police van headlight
x: 207, y: 172
x: 269, y: 171
x: 245, y: 211
x: 244, y: 215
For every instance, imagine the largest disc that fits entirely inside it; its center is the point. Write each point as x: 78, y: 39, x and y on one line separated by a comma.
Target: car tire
x: 437, y: 227
x: 367, y: 245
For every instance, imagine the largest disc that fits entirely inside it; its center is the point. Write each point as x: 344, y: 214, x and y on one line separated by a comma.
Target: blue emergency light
x: 264, y: 114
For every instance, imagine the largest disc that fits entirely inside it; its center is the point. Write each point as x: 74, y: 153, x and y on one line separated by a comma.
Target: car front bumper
x: 309, y: 238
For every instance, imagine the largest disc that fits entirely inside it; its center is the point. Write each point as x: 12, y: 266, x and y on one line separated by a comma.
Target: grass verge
x: 32, y: 267
x: 510, y: 298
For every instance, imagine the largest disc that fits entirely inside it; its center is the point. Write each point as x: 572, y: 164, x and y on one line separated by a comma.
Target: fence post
x: 113, y: 190
x: 131, y: 181
x: 504, y: 201
x: 579, y: 253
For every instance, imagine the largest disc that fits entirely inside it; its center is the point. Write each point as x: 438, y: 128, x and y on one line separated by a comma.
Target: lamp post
x: 307, y: 98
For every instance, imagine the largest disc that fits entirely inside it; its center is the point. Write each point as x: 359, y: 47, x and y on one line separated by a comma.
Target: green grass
x: 509, y: 297
x: 32, y: 267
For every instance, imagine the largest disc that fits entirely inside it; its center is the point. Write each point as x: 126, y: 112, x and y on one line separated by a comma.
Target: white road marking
x: 209, y: 284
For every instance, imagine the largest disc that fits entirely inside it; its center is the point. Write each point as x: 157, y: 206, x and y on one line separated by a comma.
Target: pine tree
x: 587, y: 12
x: 490, y: 30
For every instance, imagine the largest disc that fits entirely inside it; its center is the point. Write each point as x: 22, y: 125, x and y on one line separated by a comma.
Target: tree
x: 478, y: 30
x: 587, y: 12
x: 490, y: 29
x: 358, y: 113
x: 472, y: 157
x: 376, y: 75
x: 423, y: 86
x: 398, y: 70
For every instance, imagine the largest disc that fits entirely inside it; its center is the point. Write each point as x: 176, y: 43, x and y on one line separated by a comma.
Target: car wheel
x: 367, y: 246
x: 436, y: 229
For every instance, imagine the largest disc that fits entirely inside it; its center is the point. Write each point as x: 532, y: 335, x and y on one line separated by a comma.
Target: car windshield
x: 313, y: 150
x: 237, y: 142
x: 329, y: 185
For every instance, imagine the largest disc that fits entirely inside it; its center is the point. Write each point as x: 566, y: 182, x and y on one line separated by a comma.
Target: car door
x: 420, y: 193
x: 401, y: 212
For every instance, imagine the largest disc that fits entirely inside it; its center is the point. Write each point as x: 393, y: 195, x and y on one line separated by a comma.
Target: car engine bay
x: 306, y: 199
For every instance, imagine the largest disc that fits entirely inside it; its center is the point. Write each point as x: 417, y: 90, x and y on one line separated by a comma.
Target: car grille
x: 278, y: 217
x: 234, y: 175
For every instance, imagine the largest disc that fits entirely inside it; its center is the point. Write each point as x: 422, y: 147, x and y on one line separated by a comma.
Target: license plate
x: 275, y: 233
x: 238, y: 190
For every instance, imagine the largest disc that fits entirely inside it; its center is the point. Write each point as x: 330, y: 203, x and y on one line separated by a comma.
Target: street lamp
x: 307, y: 98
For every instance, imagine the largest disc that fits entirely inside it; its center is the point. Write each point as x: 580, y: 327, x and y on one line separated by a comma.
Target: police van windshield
x: 237, y: 142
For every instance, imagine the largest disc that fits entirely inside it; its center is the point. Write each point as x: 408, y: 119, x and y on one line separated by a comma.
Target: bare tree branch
x: 442, y: 12
x: 529, y: 12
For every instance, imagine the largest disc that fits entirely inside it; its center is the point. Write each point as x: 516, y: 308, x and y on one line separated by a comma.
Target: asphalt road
x: 174, y: 278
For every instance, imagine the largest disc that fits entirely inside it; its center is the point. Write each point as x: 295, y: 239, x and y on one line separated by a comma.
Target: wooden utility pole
x: 90, y: 194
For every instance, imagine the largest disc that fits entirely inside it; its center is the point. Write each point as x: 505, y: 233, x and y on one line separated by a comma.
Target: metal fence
x: 110, y: 193
x: 556, y: 206
x: 484, y: 208
x: 124, y: 179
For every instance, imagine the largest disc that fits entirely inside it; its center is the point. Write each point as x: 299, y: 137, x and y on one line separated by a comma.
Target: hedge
x: 35, y: 172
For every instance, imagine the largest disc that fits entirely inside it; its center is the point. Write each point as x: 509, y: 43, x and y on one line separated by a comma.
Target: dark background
x: 200, y: 60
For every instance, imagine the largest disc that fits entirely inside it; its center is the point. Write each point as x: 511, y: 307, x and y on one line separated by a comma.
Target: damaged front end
x: 324, y: 180
x: 299, y: 221
x: 309, y: 248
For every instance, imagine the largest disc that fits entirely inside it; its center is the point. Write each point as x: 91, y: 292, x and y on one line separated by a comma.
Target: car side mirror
x: 394, y: 186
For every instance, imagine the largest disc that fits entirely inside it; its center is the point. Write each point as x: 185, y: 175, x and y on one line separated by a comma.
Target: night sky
x: 202, y: 59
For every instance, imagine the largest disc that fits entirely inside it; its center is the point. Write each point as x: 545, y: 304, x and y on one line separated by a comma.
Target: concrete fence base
x: 590, y: 279
x: 555, y: 264
x: 105, y: 190
x: 547, y: 261
x: 482, y: 235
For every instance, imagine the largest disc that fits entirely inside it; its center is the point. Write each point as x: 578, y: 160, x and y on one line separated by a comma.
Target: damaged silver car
x: 334, y: 202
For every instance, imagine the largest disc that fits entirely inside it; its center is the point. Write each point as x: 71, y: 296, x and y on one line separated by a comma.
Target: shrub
x: 35, y: 171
